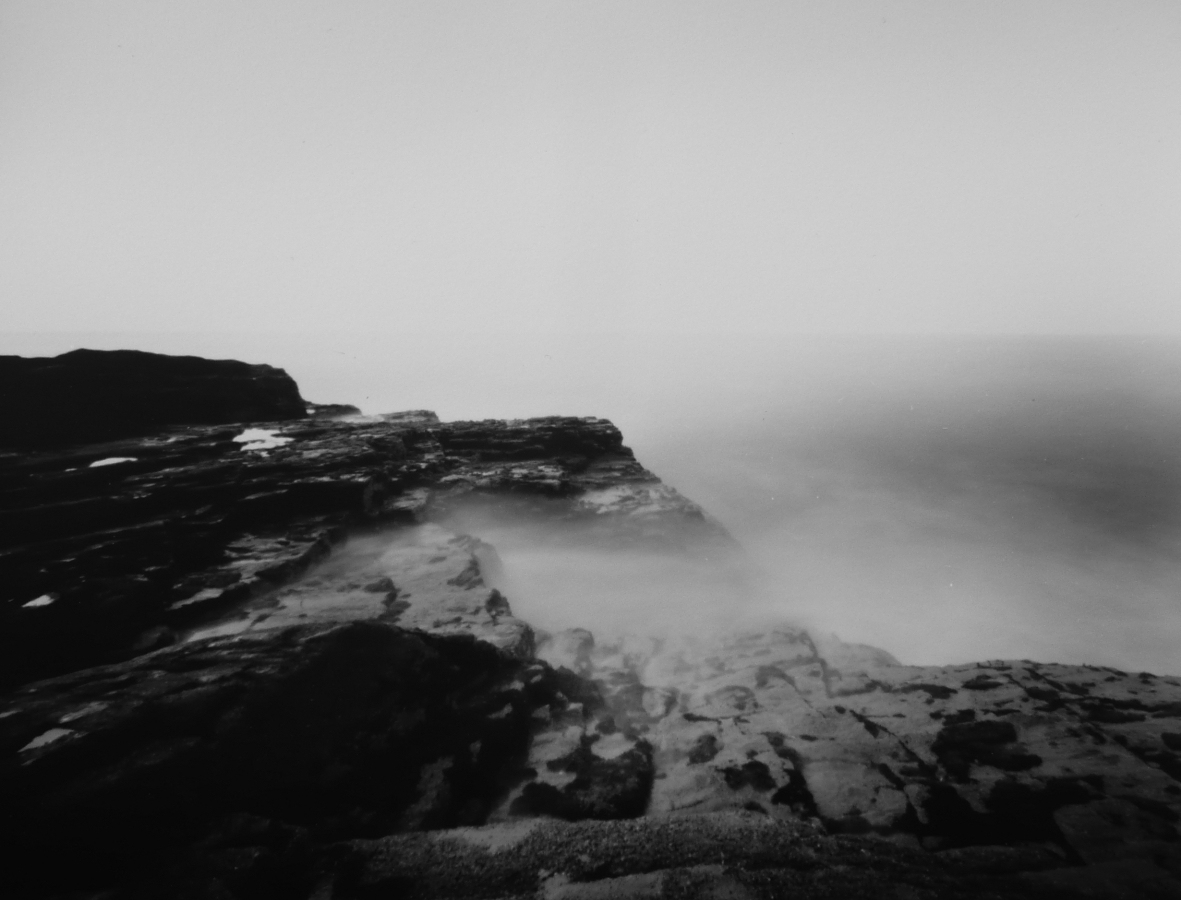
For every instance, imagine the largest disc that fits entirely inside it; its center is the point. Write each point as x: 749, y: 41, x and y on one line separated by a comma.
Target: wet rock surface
x: 266, y: 663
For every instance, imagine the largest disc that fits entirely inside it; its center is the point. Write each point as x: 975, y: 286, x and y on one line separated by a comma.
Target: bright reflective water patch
x: 43, y: 600
x: 94, y: 706
x: 223, y: 629
x: 261, y: 439
x: 111, y: 461
x: 53, y: 734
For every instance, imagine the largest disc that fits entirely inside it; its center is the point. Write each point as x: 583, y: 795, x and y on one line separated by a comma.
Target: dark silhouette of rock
x: 97, y: 395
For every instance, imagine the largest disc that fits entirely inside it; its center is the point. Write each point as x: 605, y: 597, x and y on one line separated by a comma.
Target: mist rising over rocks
x: 389, y: 655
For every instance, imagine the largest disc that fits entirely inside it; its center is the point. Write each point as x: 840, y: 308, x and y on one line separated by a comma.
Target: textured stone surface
x: 729, y: 855
x: 998, y: 767
x: 419, y: 576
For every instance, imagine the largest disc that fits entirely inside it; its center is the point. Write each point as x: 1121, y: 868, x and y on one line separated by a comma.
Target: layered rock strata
x: 262, y: 663
x: 112, y: 549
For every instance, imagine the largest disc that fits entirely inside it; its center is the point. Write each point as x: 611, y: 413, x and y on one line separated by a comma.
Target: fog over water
x: 944, y: 498
x: 952, y: 500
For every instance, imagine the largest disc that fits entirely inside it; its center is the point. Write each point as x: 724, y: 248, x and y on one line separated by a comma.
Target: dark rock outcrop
x: 96, y: 395
x: 318, y: 733
x: 101, y: 546
x: 273, y: 664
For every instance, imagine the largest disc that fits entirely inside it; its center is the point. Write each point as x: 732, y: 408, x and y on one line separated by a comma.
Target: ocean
x: 945, y: 498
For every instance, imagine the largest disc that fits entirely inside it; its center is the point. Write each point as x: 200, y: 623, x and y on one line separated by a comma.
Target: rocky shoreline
x: 257, y: 660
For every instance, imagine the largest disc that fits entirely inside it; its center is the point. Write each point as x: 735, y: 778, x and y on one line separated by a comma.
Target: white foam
x: 43, y: 600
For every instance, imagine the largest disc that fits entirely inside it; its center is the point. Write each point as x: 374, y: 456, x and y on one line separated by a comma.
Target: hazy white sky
x: 390, y: 166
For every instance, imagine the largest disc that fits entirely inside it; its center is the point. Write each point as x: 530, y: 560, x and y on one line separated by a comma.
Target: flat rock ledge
x: 257, y: 662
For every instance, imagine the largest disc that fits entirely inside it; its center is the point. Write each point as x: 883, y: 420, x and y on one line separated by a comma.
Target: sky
x: 392, y: 168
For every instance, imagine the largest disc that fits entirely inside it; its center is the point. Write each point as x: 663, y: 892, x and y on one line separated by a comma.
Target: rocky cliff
x: 89, y: 395
x: 262, y: 662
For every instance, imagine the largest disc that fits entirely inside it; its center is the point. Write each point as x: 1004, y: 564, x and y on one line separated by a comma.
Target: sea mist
x: 945, y: 498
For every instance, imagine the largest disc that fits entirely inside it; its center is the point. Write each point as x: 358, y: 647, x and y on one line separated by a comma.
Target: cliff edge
x: 265, y: 662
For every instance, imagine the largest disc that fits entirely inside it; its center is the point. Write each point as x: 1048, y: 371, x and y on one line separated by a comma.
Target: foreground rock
x: 352, y: 760
x: 1068, y: 771
x: 247, y: 753
x: 738, y: 855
